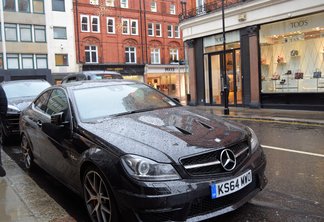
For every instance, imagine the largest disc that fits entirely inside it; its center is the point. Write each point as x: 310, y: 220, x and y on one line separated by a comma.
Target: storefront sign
x: 169, y: 69
x: 218, y: 39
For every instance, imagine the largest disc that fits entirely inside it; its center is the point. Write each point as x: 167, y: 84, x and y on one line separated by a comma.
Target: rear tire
x: 98, y: 197
x: 27, y: 153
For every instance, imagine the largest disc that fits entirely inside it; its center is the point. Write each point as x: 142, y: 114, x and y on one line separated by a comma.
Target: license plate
x: 230, y: 186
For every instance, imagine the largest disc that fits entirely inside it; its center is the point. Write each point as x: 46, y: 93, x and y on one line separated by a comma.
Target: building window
x: 27, y: 61
x: 11, y: 32
x: 13, y: 61
x: 150, y: 29
x: 38, y: 6
x: 95, y: 24
x: 25, y: 33
x: 61, y: 60
x: 124, y: 3
x: 176, y: 31
x: 153, y: 7
x: 174, y: 55
x: 94, y: 2
x: 155, y: 56
x: 40, y: 35
x: 85, y: 23
x: 58, y: 5
x: 23, y: 6
x: 110, y: 25
x: 9, y: 5
x: 172, y: 9
x: 125, y: 23
x: 1, y: 61
x: 59, y: 33
x: 110, y: 3
x: 158, y: 31
x: 91, y: 54
x: 170, y: 31
x: 134, y: 27
x: 130, y: 54
x: 41, y: 61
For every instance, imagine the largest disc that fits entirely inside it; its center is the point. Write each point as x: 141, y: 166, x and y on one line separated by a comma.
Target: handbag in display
x: 288, y: 72
x: 294, y: 52
x: 317, y: 74
x: 275, y: 76
x: 282, y: 82
x: 299, y: 75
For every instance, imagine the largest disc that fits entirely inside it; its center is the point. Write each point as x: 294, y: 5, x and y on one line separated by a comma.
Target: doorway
x: 214, y: 84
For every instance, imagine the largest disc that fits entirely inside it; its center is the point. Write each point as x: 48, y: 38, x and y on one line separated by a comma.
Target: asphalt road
x: 295, y: 191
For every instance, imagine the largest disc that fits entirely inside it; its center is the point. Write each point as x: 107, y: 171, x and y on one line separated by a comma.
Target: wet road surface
x: 295, y: 191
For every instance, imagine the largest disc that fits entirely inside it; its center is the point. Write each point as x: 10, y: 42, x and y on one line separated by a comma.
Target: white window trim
x: 128, y: 52
x: 124, y: 5
x: 172, y: 9
x: 160, y: 25
x: 94, y: 2
x: 153, y: 6
x: 152, y: 29
x: 110, y: 3
x: 170, y: 32
x: 88, y: 23
x: 114, y: 29
x: 98, y: 19
x: 131, y: 26
x: 153, y: 51
x: 176, y: 54
x: 125, y: 20
x: 175, y: 31
x: 90, y: 51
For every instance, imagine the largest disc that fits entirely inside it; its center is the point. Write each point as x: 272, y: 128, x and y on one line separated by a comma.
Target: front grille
x: 12, y: 122
x: 208, y: 163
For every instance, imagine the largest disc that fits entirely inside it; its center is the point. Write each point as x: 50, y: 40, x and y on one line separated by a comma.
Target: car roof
x: 96, y: 72
x: 97, y: 83
x: 22, y: 80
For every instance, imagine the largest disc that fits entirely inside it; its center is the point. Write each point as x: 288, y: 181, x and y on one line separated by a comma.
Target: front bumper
x: 190, y: 199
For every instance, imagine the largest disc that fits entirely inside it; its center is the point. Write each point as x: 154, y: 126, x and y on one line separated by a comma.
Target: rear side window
x: 58, y: 102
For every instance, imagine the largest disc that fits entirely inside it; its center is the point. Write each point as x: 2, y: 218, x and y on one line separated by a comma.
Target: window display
x: 292, y: 55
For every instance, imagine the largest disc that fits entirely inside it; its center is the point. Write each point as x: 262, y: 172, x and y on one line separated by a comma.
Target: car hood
x: 176, y: 132
x: 20, y: 103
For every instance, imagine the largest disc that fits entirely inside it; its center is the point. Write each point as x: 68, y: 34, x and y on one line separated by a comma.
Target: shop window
x: 23, y: 6
x: 95, y: 24
x: 134, y: 27
x: 11, y: 32
x: 150, y: 29
x: 58, y: 5
x: 155, y: 56
x: 38, y: 6
x: 9, y: 5
x: 91, y: 54
x: 13, y: 61
x: 124, y: 3
x: 292, y: 54
x: 176, y: 31
x: 130, y: 54
x: 27, y: 61
x: 158, y: 30
x: 40, y: 35
x: 110, y: 25
x: 125, y: 23
x: 25, y: 33
x: 59, y: 32
x: 41, y: 61
x: 85, y: 23
x: 61, y: 60
x: 153, y: 6
x: 172, y: 9
x: 170, y: 31
x: 110, y: 3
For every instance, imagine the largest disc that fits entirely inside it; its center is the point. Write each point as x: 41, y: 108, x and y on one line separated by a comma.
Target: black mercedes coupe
x: 134, y: 154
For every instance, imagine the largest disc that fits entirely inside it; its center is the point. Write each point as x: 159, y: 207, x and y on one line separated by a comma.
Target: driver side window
x: 58, y: 102
x: 41, y: 102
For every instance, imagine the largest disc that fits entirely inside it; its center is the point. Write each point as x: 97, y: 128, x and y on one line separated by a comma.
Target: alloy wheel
x: 26, y: 151
x: 97, y: 198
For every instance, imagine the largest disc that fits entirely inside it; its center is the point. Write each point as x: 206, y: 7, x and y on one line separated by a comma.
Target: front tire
x: 98, y: 197
x: 27, y: 152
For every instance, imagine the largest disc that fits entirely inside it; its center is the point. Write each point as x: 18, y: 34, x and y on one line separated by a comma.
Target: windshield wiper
x: 134, y: 111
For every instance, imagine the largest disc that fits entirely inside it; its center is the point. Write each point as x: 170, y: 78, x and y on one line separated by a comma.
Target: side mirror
x: 57, y: 119
x: 176, y: 99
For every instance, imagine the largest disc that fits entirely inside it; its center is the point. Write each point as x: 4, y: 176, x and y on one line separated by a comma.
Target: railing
x: 209, y: 7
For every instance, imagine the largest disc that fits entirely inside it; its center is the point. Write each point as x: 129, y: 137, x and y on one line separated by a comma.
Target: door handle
x: 39, y: 123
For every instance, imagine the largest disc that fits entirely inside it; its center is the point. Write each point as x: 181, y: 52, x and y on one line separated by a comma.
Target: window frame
x: 41, y: 57
x: 154, y: 52
x: 62, y: 28
x: 177, y: 33
x: 94, y: 2
x: 170, y: 32
x: 58, y: 10
x: 62, y: 54
x: 24, y: 27
x: 29, y: 8
x: 13, y: 9
x: 132, y: 28
x: 112, y: 26
x: 25, y: 56
x: 43, y: 9
x: 173, y: 9
x: 90, y: 51
x: 128, y: 26
x: 11, y: 26
x: 174, y: 52
x: 39, y: 27
x: 128, y: 54
x: 12, y: 56
x: 153, y: 6
x: 124, y: 3
x: 160, y: 29
x: 87, y: 23
x: 92, y: 23
x: 110, y: 3
x: 150, y: 29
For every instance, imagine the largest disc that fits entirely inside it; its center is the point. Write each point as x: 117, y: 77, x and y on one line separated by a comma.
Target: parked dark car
x: 135, y: 154
x: 92, y: 75
x: 19, y: 93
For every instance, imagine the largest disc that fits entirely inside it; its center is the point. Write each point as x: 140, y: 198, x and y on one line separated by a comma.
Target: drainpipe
x: 4, y: 49
x: 145, y: 34
x: 141, y: 31
x: 77, y: 29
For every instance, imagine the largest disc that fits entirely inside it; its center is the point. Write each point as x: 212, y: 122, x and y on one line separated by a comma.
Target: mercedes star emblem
x: 228, y: 160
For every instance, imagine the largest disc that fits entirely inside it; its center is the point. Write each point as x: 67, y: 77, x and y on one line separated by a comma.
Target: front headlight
x: 253, y: 140
x: 12, y: 109
x: 142, y: 168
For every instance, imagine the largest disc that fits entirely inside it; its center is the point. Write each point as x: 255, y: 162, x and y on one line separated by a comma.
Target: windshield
x: 24, y: 89
x: 100, y: 102
x: 106, y: 76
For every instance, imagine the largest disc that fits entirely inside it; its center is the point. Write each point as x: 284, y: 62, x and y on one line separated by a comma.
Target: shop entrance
x: 234, y: 74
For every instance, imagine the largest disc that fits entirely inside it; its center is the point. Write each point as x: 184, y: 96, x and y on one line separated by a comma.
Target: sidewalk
x: 298, y: 116
x: 21, y: 200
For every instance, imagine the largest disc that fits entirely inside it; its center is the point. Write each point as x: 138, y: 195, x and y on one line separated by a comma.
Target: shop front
x: 292, y: 63
x: 213, y: 78
x: 169, y: 79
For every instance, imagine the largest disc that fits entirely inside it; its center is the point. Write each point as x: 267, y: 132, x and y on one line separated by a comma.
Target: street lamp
x: 226, y: 109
